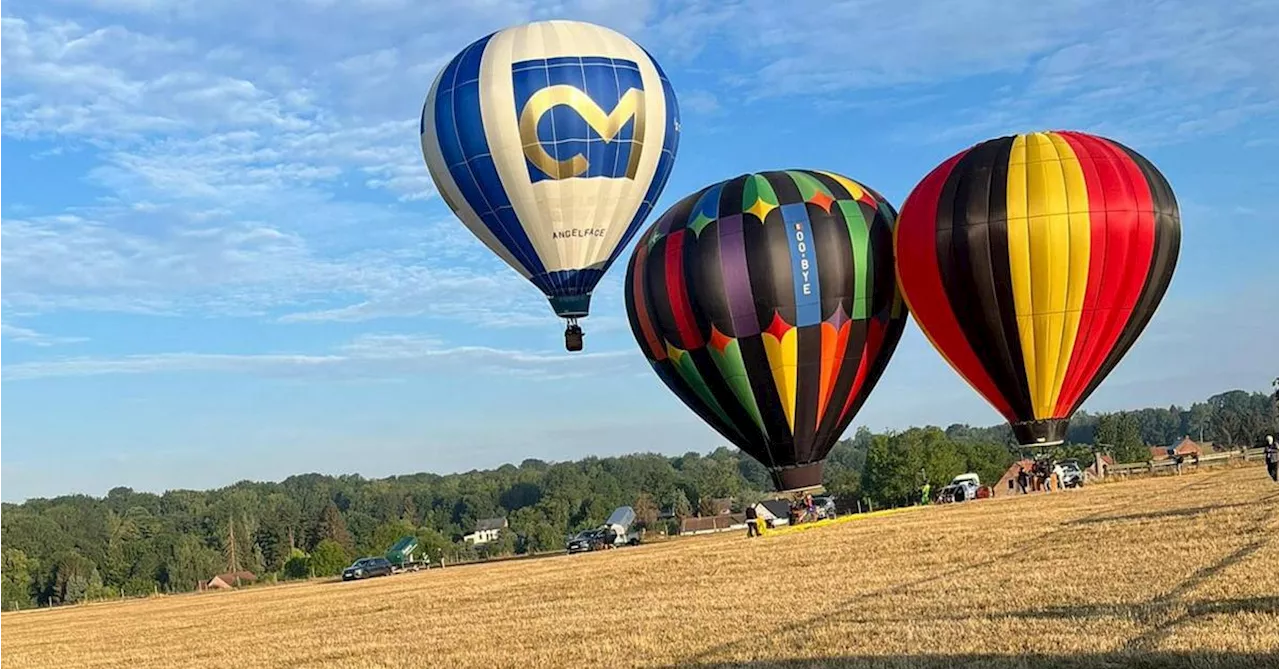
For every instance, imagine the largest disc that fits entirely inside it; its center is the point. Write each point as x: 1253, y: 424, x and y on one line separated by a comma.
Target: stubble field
x: 1170, y: 571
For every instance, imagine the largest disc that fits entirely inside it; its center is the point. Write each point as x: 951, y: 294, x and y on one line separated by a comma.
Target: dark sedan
x: 367, y: 568
x: 587, y: 540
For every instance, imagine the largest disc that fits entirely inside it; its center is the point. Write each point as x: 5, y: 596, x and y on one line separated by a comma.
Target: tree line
x: 78, y: 547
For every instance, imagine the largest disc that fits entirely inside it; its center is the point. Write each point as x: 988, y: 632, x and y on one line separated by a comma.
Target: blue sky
x: 223, y: 257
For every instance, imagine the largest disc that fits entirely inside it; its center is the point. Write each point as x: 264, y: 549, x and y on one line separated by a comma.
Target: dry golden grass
x: 1170, y: 571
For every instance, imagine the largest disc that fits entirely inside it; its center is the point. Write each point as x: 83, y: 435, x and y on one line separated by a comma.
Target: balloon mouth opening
x: 571, y: 306
x: 796, y: 478
x: 1045, y: 433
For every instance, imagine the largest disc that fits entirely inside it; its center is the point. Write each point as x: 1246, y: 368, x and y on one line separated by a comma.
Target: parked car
x: 826, y: 506
x: 367, y: 568
x: 1070, y: 473
x: 586, y: 540
x: 961, y: 489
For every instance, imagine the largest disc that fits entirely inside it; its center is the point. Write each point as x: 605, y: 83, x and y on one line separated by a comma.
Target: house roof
x: 1189, y: 445
x: 231, y: 576
x: 1012, y: 471
x: 1184, y: 446
x: 229, y: 579
x: 490, y: 524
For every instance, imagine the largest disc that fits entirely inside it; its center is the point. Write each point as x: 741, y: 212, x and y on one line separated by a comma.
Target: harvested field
x: 1167, y: 571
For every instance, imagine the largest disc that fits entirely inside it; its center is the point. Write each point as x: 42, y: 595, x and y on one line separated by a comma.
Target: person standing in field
x: 753, y: 526
x: 1022, y: 479
x: 1272, y: 455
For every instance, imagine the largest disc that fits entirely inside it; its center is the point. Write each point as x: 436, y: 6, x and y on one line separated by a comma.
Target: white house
x: 486, y: 530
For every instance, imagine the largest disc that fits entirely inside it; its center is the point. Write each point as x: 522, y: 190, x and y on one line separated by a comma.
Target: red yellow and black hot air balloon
x: 1032, y: 263
x: 768, y: 304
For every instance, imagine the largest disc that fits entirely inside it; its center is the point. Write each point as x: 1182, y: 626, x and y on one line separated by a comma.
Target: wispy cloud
x: 211, y: 264
x: 366, y: 357
x: 29, y: 336
x: 1153, y: 71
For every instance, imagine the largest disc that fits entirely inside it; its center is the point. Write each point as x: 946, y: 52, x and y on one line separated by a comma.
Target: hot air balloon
x: 551, y: 141
x: 1032, y: 263
x: 767, y: 303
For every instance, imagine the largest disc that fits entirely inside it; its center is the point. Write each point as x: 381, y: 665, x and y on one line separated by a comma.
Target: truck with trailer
x: 403, y: 556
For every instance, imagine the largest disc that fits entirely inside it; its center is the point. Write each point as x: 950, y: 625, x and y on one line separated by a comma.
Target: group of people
x: 1043, y: 476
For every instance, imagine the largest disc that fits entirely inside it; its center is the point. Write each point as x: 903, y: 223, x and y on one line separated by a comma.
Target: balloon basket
x: 573, y: 336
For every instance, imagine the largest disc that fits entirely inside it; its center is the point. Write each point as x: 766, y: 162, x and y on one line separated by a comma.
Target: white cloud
x: 1149, y: 71
x: 137, y: 260
x: 699, y: 102
x: 365, y: 357
x: 29, y: 336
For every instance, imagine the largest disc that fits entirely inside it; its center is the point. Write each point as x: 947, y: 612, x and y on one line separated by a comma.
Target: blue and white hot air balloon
x: 552, y: 141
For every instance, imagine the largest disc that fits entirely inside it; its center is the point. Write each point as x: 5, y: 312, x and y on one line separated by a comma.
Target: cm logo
x: 565, y: 130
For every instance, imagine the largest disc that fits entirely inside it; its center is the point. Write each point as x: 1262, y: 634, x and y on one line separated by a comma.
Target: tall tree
x: 229, y: 547
x: 646, y: 510
x: 330, y: 525
x: 1120, y: 434
x: 680, y: 506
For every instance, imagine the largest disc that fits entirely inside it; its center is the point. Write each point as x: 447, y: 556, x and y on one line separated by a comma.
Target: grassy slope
x: 1171, y: 571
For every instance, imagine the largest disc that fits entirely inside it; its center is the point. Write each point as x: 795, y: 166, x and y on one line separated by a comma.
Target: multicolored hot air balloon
x: 1033, y: 263
x: 551, y: 141
x: 767, y: 303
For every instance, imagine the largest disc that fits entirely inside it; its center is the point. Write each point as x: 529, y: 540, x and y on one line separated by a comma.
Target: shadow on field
x: 1159, y: 616
x: 1160, y: 515
x: 1135, y: 660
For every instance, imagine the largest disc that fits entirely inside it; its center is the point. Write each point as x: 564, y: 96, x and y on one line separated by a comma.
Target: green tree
x: 17, y: 578
x: 989, y: 460
x: 190, y: 562
x: 889, y: 476
x: 680, y: 505
x: 329, y: 558
x: 386, y: 535
x: 646, y: 510
x: 330, y: 525
x: 941, y: 458
x: 1197, y: 422
x: 1121, y: 435
x: 433, y: 544
x: 72, y: 579
x: 297, y: 565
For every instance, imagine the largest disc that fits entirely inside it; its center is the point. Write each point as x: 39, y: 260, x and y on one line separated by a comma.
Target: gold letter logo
x: 631, y: 105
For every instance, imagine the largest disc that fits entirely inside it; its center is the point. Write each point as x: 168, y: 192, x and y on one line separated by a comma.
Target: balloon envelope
x: 767, y: 303
x: 1032, y: 263
x: 552, y: 141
